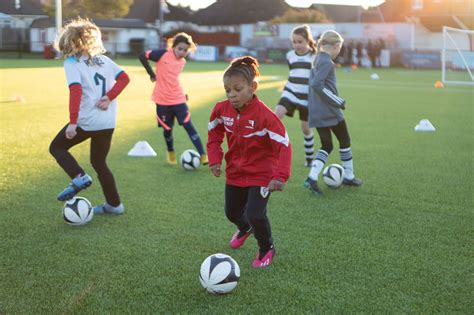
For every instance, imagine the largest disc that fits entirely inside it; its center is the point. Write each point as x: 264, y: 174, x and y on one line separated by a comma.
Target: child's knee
x: 188, y: 125
x: 168, y: 133
x: 52, y: 149
x: 327, y: 147
x: 232, y: 214
x: 345, y: 143
x: 256, y: 218
x: 56, y: 151
x: 99, y: 166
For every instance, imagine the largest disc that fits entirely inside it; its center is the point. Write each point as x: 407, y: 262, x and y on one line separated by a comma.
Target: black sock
x: 243, y: 233
x: 263, y: 252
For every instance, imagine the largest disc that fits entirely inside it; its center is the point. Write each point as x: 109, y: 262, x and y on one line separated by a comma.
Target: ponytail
x: 245, y: 66
x: 330, y: 38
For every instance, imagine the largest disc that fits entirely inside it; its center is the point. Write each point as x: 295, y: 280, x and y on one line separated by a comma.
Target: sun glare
x: 199, y: 4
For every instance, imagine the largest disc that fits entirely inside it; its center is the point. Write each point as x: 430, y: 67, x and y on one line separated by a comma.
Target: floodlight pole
x: 59, y: 20
x: 162, y: 21
x: 59, y: 16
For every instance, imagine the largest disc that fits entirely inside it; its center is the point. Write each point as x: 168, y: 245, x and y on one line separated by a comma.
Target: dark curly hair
x: 246, y: 66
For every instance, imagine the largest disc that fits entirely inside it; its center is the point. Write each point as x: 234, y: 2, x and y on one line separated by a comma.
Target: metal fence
x: 17, y: 47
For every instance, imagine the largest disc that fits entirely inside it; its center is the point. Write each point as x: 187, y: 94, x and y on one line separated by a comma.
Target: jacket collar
x: 251, y: 103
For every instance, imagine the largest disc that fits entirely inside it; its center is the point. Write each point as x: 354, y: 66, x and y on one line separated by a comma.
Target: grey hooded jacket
x: 324, y: 105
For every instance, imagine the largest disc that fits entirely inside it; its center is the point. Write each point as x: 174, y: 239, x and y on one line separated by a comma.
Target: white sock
x: 120, y: 207
x: 346, y: 158
x: 348, y: 169
x: 309, y: 145
x: 318, y: 164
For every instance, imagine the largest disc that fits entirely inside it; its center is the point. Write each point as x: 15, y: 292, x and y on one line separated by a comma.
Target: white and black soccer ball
x: 219, y: 274
x: 333, y: 175
x: 190, y: 160
x: 77, y: 211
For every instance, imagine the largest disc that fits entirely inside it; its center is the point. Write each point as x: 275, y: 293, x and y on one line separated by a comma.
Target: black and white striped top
x: 296, y: 88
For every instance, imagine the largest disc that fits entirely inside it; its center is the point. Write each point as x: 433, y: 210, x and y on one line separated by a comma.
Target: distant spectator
x: 348, y: 56
x: 371, y: 52
x: 340, y: 60
x: 380, y: 46
x: 359, y: 47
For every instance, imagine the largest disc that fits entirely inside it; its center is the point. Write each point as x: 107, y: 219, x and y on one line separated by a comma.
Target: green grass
x: 402, y: 243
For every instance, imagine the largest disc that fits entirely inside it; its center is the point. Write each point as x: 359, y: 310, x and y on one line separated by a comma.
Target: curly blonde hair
x: 80, y: 37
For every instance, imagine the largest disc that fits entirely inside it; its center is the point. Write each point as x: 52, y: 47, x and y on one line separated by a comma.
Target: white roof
x: 4, y: 16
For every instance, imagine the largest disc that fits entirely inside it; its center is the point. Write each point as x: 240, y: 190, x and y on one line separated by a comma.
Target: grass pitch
x: 400, y: 243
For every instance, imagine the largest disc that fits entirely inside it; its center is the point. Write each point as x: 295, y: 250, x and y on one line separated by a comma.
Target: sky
x: 198, y: 4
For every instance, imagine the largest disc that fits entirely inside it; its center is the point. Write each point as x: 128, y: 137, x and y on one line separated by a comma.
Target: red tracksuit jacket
x: 259, y: 147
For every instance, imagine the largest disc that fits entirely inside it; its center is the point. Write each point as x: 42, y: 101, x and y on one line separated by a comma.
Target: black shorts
x: 165, y: 115
x: 291, y: 107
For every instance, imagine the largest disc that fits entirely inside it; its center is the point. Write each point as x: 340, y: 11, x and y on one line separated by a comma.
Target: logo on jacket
x: 251, y: 124
x: 264, y: 192
x: 228, y: 121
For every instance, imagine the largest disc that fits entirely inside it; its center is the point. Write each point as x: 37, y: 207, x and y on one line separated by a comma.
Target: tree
x: 302, y: 16
x: 234, y: 12
x: 103, y: 9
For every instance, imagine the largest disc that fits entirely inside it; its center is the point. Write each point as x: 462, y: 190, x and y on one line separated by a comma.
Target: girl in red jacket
x: 258, y: 158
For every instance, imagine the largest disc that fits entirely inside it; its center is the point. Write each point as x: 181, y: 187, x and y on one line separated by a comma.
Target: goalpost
x: 457, y: 56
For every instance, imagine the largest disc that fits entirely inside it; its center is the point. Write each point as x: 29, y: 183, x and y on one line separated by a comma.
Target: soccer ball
x: 190, y: 160
x: 333, y: 175
x: 219, y: 274
x: 77, y: 211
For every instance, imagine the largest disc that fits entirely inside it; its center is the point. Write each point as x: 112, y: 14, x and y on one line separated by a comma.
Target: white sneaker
x: 106, y: 208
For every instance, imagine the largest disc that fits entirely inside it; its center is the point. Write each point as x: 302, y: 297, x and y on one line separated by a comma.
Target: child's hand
x: 216, y: 170
x: 71, y: 131
x: 276, y: 184
x: 103, y: 103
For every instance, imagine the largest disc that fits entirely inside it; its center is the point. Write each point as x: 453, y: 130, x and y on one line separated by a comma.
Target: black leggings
x: 246, y: 207
x: 342, y: 135
x: 100, y: 145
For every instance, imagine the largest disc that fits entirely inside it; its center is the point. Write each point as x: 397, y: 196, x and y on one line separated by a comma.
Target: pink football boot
x: 238, y: 239
x: 265, y: 261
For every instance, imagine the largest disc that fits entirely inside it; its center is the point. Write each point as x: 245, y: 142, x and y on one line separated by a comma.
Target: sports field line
x: 394, y: 85
x: 370, y: 85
